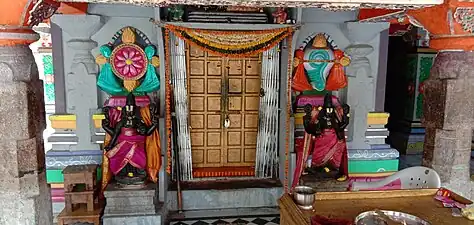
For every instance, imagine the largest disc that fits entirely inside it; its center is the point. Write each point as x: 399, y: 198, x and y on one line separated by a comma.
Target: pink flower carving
x: 129, y: 62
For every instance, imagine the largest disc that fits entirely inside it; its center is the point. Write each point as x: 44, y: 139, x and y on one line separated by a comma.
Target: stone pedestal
x: 25, y: 196
x: 448, y: 119
x: 131, y: 206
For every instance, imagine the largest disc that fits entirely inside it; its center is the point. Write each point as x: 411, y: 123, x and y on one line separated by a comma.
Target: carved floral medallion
x: 465, y: 17
x: 129, y: 61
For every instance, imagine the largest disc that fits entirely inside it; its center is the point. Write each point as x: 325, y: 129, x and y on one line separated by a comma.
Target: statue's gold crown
x: 128, y: 36
x: 320, y: 41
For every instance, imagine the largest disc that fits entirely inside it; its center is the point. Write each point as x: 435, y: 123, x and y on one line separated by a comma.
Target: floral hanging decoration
x: 232, y: 44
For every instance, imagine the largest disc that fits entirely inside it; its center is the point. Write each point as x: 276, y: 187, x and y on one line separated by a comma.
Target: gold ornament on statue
x: 130, y: 85
x: 320, y: 41
x: 155, y: 61
x: 128, y: 36
x: 101, y: 60
x: 345, y: 61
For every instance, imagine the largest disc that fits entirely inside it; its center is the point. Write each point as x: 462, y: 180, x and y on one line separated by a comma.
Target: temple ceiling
x: 325, y: 4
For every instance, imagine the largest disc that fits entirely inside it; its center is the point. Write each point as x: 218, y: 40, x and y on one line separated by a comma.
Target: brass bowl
x: 304, y: 196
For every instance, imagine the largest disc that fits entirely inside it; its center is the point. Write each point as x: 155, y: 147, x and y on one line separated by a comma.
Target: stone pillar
x: 361, y: 87
x: 24, y: 193
x: 81, y: 88
x: 449, y: 92
x: 448, y: 118
x: 25, y: 196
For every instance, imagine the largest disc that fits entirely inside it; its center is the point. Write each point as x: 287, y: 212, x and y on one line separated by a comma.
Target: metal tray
x: 371, y: 218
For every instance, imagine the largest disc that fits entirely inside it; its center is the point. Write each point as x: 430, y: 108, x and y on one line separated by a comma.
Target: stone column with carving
x: 80, y: 79
x: 361, y: 82
x: 448, y: 118
x: 24, y: 193
x: 449, y: 92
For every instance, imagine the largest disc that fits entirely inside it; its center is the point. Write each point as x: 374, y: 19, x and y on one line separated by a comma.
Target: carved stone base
x: 131, y: 207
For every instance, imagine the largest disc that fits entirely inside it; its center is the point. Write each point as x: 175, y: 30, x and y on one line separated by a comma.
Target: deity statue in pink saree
x: 127, y: 151
x: 130, y: 149
x: 324, y: 139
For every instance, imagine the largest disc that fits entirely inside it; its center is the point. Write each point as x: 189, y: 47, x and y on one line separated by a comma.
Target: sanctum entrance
x: 223, y: 96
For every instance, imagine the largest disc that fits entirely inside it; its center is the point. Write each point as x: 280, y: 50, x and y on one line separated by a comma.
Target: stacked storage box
x: 380, y: 160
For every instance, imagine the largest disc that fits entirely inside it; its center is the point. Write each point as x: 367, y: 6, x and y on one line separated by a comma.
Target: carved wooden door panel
x: 223, y: 109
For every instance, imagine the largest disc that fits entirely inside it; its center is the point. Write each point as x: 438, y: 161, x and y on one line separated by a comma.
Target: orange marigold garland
x: 238, y: 49
x: 288, y: 113
x: 168, y: 99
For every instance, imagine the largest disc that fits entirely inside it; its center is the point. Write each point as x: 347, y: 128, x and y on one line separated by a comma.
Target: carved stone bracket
x: 81, y: 28
x: 42, y: 10
x: 362, y: 33
x: 359, y: 60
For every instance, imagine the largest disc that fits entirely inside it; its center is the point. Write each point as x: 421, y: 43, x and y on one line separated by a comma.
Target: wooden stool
x: 80, y: 215
x: 80, y: 197
x: 80, y: 174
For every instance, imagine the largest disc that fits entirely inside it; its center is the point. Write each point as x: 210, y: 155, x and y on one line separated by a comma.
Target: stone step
x: 261, y: 216
x: 225, y: 199
x: 230, y: 213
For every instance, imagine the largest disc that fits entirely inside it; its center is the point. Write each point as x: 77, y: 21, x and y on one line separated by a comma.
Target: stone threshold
x: 226, y: 184
x: 223, y: 213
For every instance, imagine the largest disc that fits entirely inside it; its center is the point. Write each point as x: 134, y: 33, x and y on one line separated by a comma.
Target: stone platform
x: 131, y: 206
x: 321, y: 181
x: 201, y: 195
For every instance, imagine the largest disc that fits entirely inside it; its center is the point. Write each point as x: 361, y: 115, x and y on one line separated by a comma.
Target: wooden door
x: 224, y: 100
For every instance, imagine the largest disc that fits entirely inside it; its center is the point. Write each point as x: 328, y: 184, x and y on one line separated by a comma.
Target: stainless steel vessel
x: 372, y: 218
x: 304, y: 196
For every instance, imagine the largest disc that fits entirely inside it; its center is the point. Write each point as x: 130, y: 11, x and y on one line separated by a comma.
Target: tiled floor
x: 260, y: 220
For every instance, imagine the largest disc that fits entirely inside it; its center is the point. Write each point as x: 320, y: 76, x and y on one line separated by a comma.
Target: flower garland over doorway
x: 231, y: 44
